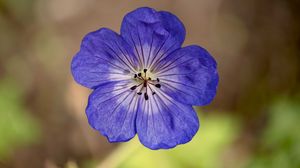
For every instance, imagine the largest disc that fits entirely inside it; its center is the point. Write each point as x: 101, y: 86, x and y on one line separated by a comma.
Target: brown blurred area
x: 256, y: 44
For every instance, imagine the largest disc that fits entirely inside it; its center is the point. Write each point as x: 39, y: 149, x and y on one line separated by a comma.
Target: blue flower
x: 143, y: 81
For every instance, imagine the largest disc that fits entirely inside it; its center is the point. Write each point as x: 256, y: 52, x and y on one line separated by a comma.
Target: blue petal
x: 112, y: 111
x: 152, y: 34
x: 163, y: 123
x: 189, y: 75
x: 103, y: 57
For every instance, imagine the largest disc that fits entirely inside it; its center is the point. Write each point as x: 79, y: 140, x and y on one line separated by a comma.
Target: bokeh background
x: 252, y: 123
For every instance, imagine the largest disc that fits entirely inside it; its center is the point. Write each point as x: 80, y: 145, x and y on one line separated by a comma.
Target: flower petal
x: 152, y: 34
x: 104, y: 56
x: 112, y: 111
x: 189, y: 75
x: 163, y: 123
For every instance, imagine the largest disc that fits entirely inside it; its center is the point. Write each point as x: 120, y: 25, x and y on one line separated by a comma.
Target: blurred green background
x: 252, y: 123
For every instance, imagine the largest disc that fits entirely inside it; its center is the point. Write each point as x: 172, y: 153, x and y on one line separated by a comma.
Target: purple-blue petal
x: 112, y: 111
x: 152, y: 34
x: 103, y: 56
x: 189, y: 75
x: 164, y: 123
x: 173, y: 25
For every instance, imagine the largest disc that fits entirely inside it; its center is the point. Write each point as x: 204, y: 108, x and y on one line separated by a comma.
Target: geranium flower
x: 143, y: 81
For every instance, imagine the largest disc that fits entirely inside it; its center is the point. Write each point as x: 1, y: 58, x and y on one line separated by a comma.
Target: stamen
x: 157, y: 85
x: 133, y: 87
x: 145, y: 70
x: 139, y: 93
x: 140, y: 74
x: 141, y: 78
x: 157, y: 79
x: 153, y: 93
x: 146, y: 96
x: 135, y: 76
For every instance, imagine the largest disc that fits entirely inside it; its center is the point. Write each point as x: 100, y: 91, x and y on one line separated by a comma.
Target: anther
x: 146, y: 96
x: 135, y: 76
x: 139, y: 93
x: 153, y: 93
x: 145, y: 70
x: 157, y: 85
x: 133, y: 87
x: 149, y: 78
x: 157, y: 80
x: 139, y: 74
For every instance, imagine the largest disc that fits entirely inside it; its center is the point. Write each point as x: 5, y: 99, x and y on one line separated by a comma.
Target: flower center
x: 145, y: 81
